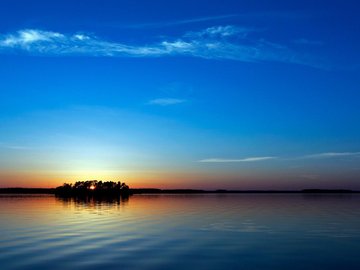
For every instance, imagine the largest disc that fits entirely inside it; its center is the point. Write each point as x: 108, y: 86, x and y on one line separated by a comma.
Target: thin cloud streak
x: 249, y: 15
x: 332, y: 155
x: 180, y: 22
x: 218, y: 42
x: 312, y: 156
x: 224, y: 160
x: 166, y: 101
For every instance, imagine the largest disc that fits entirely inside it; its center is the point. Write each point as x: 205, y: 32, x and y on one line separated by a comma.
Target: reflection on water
x: 93, y: 201
x: 240, y: 231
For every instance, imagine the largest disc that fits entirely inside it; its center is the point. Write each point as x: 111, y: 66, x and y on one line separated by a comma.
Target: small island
x: 93, y: 188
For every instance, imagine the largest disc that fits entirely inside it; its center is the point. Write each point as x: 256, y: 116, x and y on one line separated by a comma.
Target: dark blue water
x: 252, y: 231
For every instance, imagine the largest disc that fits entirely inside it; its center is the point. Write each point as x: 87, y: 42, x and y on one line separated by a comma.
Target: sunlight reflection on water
x: 244, y: 231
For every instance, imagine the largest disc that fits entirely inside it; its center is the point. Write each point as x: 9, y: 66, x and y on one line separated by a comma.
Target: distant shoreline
x: 183, y: 191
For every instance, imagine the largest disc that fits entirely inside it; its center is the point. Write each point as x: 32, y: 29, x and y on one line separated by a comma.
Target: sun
x: 92, y: 187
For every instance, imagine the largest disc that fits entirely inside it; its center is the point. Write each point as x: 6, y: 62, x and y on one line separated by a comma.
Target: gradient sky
x: 176, y: 94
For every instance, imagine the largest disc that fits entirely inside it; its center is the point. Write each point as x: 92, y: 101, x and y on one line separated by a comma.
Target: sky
x: 180, y: 94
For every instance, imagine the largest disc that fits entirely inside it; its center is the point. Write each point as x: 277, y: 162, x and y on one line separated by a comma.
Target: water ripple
x: 176, y: 232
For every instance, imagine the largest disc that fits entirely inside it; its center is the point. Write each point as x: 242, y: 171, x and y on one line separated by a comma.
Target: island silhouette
x: 93, y: 187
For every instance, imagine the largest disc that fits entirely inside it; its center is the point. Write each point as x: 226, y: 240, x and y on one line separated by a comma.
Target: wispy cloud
x: 224, y: 160
x: 53, y: 43
x: 332, y: 155
x: 284, y: 15
x: 218, y: 42
x: 221, y: 32
x: 166, y: 101
x: 180, y: 22
x: 325, y: 155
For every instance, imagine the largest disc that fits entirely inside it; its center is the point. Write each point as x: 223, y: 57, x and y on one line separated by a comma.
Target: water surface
x: 240, y: 231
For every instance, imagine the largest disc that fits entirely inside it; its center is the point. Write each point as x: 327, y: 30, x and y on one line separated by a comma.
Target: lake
x: 208, y: 231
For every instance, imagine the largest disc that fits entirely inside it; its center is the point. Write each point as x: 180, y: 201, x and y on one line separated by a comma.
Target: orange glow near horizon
x: 164, y: 180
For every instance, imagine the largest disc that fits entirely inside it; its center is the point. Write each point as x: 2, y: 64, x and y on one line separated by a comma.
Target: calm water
x: 250, y: 231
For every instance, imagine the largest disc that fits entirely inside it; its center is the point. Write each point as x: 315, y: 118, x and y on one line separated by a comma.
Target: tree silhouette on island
x: 93, y: 187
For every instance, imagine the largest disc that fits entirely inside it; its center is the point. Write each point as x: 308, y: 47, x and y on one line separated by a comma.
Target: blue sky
x: 211, y: 94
